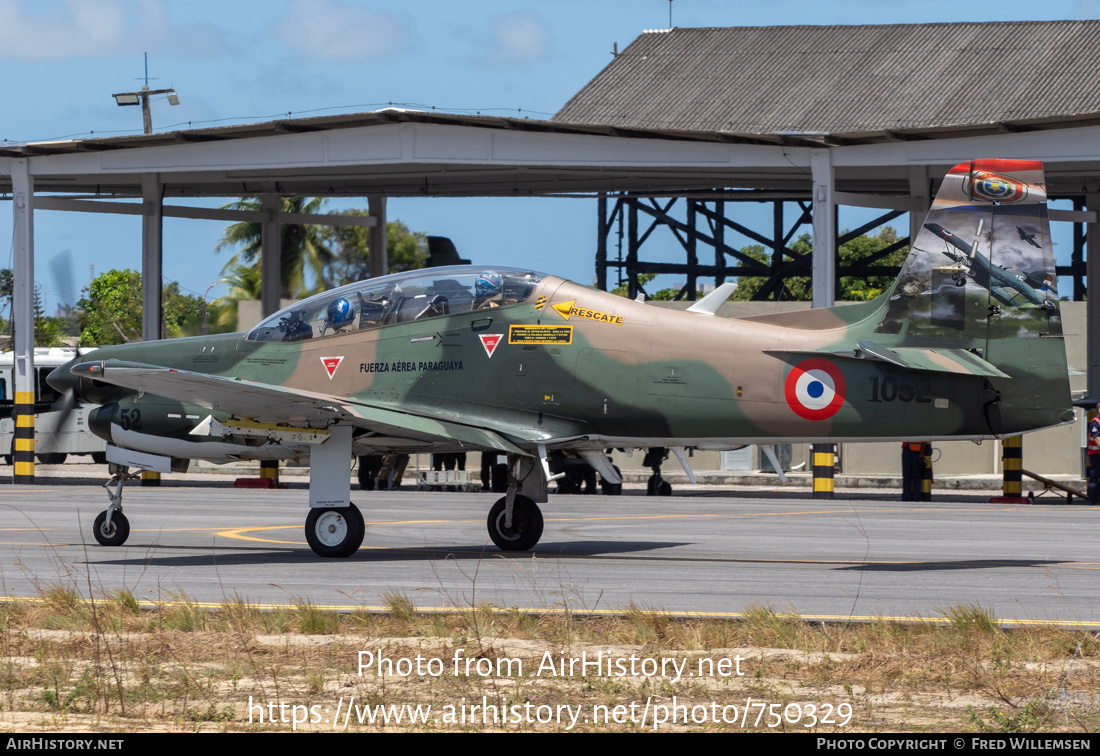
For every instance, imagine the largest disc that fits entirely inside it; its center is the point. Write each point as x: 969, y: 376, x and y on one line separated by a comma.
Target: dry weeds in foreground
x: 110, y: 666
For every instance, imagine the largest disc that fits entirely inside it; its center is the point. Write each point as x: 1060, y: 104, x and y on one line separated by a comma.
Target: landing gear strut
x: 656, y: 485
x: 111, y: 528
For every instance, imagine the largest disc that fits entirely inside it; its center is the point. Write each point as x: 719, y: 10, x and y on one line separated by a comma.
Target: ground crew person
x: 912, y: 469
x: 1094, y: 458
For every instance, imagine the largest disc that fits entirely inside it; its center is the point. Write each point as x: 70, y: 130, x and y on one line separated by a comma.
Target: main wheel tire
x: 664, y: 488
x: 335, y: 532
x: 526, y: 527
x: 99, y: 458
x: 57, y: 458
x: 116, y: 534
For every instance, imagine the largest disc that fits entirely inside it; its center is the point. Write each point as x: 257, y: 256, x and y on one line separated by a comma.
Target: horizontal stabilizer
x: 929, y: 359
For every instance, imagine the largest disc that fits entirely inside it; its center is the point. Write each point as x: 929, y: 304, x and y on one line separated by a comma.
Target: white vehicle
x: 53, y: 441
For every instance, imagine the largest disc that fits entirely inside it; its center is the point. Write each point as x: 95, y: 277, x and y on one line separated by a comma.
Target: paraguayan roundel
x: 815, y: 389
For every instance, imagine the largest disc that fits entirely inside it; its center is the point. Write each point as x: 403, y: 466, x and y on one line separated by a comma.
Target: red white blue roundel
x: 815, y: 389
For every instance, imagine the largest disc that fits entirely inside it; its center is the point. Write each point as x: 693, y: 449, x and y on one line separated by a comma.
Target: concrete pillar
x: 271, y: 282
x: 23, y: 317
x: 824, y: 461
x: 152, y: 269
x: 271, y: 254
x: 824, y: 262
x: 1092, y: 282
x: 920, y: 196
x: 152, y: 274
x: 379, y: 262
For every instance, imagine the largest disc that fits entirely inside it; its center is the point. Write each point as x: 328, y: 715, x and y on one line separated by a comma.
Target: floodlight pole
x: 131, y: 98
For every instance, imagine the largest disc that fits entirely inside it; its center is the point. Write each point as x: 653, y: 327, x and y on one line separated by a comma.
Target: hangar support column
x: 920, y: 197
x: 23, y: 316
x: 824, y: 255
x: 152, y: 287
x: 152, y: 267
x: 379, y: 261
x: 1092, y: 282
x: 271, y: 254
x: 271, y: 288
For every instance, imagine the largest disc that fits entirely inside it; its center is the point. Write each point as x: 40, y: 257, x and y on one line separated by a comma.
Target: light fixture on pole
x: 142, y: 98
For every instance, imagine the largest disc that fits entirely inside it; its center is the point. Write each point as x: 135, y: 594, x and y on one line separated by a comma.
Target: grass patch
x: 185, y: 666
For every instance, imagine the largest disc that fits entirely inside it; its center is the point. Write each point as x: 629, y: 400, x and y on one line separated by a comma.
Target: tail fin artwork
x: 978, y: 288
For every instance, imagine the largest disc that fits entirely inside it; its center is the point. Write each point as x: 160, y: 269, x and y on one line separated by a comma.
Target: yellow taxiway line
x: 353, y: 608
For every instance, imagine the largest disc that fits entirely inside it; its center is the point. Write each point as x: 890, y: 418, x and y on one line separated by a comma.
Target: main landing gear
x: 525, y: 530
x: 335, y: 532
x: 656, y: 485
x: 515, y: 520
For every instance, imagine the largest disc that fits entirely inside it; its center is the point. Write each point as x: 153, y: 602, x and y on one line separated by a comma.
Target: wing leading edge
x: 269, y: 403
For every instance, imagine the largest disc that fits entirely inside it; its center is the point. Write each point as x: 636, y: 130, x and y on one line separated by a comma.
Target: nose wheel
x: 111, y: 528
x: 113, y: 533
x: 525, y: 530
x: 335, y: 532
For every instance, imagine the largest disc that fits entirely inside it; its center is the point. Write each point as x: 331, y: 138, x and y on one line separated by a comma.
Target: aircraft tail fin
x: 980, y: 279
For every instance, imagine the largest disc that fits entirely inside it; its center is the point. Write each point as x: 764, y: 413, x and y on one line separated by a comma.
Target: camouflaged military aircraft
x: 516, y: 362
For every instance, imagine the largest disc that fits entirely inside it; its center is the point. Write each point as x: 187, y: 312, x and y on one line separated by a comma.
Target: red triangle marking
x: 331, y: 363
x: 490, y: 341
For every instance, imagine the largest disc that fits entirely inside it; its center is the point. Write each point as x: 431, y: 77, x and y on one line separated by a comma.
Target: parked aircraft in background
x: 520, y: 363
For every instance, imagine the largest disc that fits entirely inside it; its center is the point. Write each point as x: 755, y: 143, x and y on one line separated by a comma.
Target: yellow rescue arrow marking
x: 564, y: 308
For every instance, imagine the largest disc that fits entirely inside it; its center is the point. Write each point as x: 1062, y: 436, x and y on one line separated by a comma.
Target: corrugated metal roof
x: 849, y: 81
x: 317, y: 123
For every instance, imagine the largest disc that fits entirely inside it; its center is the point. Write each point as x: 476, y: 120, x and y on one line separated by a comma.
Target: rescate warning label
x: 540, y: 334
x: 569, y: 309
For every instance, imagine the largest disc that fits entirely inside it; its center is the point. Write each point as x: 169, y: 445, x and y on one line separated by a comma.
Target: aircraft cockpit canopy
x: 399, y: 298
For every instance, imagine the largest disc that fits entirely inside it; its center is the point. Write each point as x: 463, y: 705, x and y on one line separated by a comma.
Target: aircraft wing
x: 265, y: 402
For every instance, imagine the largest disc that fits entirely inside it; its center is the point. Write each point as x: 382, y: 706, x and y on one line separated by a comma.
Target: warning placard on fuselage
x: 540, y: 334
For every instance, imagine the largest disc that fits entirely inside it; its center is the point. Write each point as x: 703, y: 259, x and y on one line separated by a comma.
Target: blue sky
x: 236, y: 62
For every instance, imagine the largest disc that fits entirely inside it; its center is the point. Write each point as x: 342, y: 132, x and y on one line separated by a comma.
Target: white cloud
x: 329, y: 30
x: 519, y: 39
x: 98, y: 29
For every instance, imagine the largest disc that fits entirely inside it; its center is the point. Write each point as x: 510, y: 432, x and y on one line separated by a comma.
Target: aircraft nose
x: 61, y: 379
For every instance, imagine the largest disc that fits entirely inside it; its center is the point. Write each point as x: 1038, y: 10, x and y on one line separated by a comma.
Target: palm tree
x: 244, y: 283
x: 302, y: 247
x: 349, y: 247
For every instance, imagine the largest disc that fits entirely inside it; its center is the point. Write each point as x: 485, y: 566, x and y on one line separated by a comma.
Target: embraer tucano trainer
x: 516, y: 362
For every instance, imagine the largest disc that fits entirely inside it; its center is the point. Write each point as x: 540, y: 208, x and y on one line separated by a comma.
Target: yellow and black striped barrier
x: 1012, y: 459
x: 1012, y: 467
x: 926, y: 473
x: 22, y: 450
x: 269, y: 470
x: 824, y: 459
x: 150, y: 478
